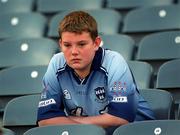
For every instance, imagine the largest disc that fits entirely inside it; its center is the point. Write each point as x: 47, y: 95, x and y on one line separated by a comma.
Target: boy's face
x: 79, y: 50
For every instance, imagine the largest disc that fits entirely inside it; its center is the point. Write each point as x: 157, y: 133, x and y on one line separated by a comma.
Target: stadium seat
x: 123, y: 44
x: 18, y: 81
x: 142, y: 73
x: 75, y: 129
x: 124, y: 6
x: 154, y: 127
x: 161, y: 102
x: 109, y: 21
x: 11, y: 6
x: 26, y: 51
x: 142, y: 21
x: 168, y: 78
x: 55, y: 6
x: 158, y: 48
x: 6, y: 131
x: 14, y: 25
x: 20, y: 113
x: 129, y: 4
x: 169, y: 75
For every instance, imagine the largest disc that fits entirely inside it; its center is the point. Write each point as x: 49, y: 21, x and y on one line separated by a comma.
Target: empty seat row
x: 157, y: 127
x: 46, y: 6
x: 154, y: 49
x: 110, y: 21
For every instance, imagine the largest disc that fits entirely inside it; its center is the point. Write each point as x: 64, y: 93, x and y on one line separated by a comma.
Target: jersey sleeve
x: 122, y: 89
x: 50, y: 104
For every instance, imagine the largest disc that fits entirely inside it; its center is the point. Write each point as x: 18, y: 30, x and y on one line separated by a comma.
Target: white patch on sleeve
x: 47, y: 102
x: 120, y: 99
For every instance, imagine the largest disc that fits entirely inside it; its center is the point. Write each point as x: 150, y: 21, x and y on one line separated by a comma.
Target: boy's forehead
x: 67, y: 35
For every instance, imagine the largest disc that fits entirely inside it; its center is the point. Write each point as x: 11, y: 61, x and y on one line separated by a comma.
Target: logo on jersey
x: 67, y: 95
x: 100, y: 93
x: 120, y: 99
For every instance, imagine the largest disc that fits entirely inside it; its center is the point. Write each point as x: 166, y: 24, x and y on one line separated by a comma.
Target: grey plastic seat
x: 13, y: 25
x: 131, y: 4
x: 168, y: 77
x: 81, y: 129
x: 154, y: 127
x: 161, y: 102
x: 55, y: 6
x: 26, y: 51
x: 11, y: 6
x: 109, y: 21
x: 158, y: 48
x: 142, y: 72
x: 19, y: 81
x: 6, y: 131
x: 20, y: 113
x: 143, y: 21
x: 123, y: 44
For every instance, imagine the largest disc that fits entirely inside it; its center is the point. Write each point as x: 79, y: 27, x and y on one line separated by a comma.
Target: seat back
x: 159, y: 48
x: 66, y: 130
x: 27, y: 24
x: 11, y: 6
x: 168, y: 78
x: 142, y: 72
x: 18, y: 81
x: 137, y: 22
x: 20, y: 113
x: 164, y: 108
x: 123, y: 44
x: 26, y: 51
x: 54, y: 6
x: 154, y: 127
x: 6, y: 131
x: 124, y: 6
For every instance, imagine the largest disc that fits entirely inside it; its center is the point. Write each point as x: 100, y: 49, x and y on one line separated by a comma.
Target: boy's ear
x: 97, y: 42
x: 60, y: 41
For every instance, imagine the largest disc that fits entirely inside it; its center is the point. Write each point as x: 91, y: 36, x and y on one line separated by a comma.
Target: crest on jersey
x: 66, y: 94
x: 100, y: 93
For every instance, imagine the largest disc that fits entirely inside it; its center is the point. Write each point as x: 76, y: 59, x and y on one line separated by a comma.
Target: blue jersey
x: 109, y: 88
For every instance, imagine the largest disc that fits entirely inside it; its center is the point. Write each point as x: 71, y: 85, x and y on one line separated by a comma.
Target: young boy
x: 85, y: 84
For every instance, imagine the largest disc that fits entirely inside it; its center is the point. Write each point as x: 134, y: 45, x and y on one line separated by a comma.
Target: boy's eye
x: 67, y: 45
x: 82, y: 44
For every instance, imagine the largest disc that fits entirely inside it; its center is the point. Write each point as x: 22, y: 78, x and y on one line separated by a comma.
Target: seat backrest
x: 27, y: 24
x: 162, y: 109
x: 66, y: 130
x: 6, y: 131
x: 26, y: 51
x: 159, y: 47
x: 169, y: 75
x: 54, y: 6
x: 129, y: 4
x: 123, y: 44
x: 137, y: 22
x: 142, y: 73
x: 11, y: 6
x: 168, y: 78
x: 154, y: 127
x: 18, y: 81
x: 20, y: 113
x: 109, y: 21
